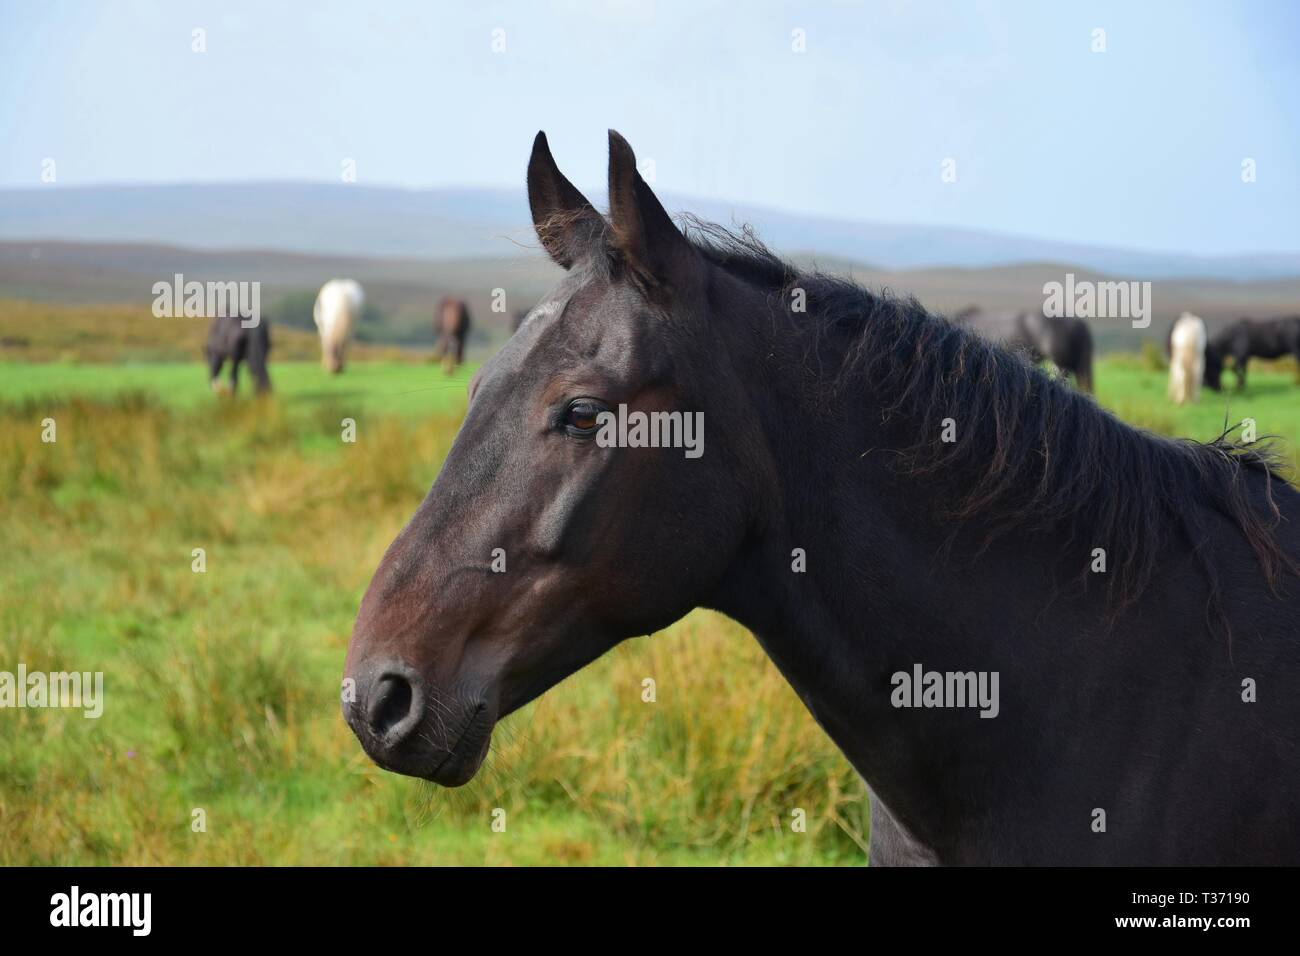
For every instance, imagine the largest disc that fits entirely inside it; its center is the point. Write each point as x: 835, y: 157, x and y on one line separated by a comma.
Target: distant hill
x: 443, y: 224
x: 404, y: 290
x: 45, y: 332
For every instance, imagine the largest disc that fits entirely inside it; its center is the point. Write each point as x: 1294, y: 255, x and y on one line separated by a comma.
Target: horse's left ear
x: 643, y: 232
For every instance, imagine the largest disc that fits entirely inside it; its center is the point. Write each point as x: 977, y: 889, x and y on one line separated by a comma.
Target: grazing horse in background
x: 451, y: 328
x: 1066, y: 341
x: 1186, y: 358
x: 1262, y: 338
x: 338, y: 308
x: 229, y: 340
x: 944, y: 503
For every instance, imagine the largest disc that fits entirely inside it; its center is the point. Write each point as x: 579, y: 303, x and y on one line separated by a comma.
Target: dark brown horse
x: 1065, y: 340
x: 230, y: 341
x: 883, y: 497
x: 1247, y: 338
x: 451, y: 329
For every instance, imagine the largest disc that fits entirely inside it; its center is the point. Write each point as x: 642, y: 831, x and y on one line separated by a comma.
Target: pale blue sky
x: 1140, y: 146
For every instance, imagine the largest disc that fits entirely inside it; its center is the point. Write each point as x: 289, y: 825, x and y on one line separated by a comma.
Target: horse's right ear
x: 565, y: 221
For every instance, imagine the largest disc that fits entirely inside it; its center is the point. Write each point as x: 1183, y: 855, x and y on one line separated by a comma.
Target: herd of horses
x: 337, y: 311
x: 1195, y: 357
x: 1066, y: 342
x: 883, y: 492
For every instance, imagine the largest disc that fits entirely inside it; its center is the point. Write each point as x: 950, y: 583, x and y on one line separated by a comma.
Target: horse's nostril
x: 392, y: 705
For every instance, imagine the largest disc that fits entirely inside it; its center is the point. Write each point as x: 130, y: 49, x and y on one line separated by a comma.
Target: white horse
x: 1186, y: 358
x: 338, y: 308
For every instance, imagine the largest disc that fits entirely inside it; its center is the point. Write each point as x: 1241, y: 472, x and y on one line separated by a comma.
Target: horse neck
x: 876, y: 597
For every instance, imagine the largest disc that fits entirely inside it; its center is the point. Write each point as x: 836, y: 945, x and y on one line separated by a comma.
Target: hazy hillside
x: 404, y: 291
x: 354, y: 220
x: 47, y: 332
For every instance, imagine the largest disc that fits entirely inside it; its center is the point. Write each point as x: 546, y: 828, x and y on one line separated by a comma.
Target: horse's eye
x: 580, y: 416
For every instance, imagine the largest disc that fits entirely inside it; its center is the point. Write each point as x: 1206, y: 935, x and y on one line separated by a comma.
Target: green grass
x: 222, y: 687
x: 1136, y: 393
x: 372, y: 388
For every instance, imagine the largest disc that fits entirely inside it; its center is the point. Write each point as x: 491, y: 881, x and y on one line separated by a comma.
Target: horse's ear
x: 643, y: 232
x: 565, y: 222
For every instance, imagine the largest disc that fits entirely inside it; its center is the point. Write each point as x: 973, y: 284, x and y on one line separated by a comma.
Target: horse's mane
x: 1029, y: 452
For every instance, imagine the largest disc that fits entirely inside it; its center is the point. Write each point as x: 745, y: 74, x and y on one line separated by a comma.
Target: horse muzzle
x: 407, y: 727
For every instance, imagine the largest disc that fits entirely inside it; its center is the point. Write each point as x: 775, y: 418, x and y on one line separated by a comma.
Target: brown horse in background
x: 451, y: 329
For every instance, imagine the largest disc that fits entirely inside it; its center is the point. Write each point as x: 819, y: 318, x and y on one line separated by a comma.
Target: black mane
x: 1030, y: 452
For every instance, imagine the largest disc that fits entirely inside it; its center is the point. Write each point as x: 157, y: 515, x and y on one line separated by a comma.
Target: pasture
x: 222, y: 687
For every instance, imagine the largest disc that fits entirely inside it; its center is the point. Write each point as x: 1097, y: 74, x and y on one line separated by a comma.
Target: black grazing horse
x: 1263, y: 338
x: 228, y: 340
x: 1066, y: 340
x: 882, y: 496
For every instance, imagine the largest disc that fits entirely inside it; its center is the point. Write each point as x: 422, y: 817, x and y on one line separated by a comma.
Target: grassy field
x: 1133, y: 388
x: 222, y: 687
